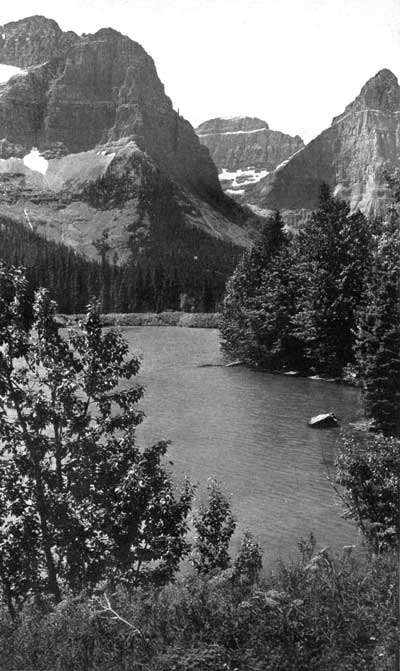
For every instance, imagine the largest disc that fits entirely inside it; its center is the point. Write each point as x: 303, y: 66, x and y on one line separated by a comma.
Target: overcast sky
x: 293, y: 63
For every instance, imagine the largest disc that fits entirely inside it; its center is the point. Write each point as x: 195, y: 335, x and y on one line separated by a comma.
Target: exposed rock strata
x: 96, y: 109
x: 32, y: 41
x: 351, y: 156
x: 243, y: 142
x: 245, y: 149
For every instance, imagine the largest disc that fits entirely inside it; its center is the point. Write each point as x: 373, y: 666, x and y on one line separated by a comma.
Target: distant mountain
x: 113, y: 158
x: 245, y: 150
x: 351, y: 156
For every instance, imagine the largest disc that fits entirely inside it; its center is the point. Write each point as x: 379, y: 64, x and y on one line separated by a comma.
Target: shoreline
x: 207, y: 320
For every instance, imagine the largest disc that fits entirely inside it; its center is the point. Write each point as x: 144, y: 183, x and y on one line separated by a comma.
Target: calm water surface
x: 249, y: 430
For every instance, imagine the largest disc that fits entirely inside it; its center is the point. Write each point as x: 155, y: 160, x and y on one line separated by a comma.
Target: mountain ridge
x: 245, y: 150
x: 95, y: 108
x: 352, y: 156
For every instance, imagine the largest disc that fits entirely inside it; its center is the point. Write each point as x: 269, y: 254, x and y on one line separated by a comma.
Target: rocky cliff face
x: 245, y: 150
x: 80, y: 99
x: 33, y: 41
x: 352, y: 156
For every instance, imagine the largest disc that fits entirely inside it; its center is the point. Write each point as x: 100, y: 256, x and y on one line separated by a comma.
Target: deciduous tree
x: 368, y: 471
x: 79, y: 500
x: 214, y: 525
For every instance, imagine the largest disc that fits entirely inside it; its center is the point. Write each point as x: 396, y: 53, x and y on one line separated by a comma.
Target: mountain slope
x: 95, y: 109
x: 351, y: 156
x: 245, y: 150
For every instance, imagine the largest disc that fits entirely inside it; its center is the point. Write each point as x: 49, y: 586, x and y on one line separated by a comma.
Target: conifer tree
x: 378, y: 338
x: 247, y: 303
x: 331, y: 257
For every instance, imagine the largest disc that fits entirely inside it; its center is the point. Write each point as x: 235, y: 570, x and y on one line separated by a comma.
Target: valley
x: 165, y: 501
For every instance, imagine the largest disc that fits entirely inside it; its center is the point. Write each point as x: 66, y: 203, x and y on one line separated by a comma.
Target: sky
x: 293, y: 63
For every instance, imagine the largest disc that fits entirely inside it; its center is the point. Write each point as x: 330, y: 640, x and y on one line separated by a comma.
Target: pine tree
x: 244, y: 331
x: 332, y: 252
x: 378, y: 338
x: 278, y: 347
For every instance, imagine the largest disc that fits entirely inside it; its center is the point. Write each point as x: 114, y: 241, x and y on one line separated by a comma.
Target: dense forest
x: 94, y: 529
x: 323, y: 301
x: 176, y: 268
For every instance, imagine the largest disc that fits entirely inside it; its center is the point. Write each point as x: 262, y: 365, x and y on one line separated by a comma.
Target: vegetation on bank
x: 317, y: 613
x: 93, y: 528
x: 169, y: 318
x: 93, y: 531
x: 324, y: 301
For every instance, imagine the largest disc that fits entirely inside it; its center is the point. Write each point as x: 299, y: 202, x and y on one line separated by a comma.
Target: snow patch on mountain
x: 35, y: 161
x: 235, y: 192
x: 8, y: 71
x: 241, y: 178
x: 234, y: 132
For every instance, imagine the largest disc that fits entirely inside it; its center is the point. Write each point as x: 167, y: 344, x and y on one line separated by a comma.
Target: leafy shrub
x: 368, y: 468
x: 321, y: 613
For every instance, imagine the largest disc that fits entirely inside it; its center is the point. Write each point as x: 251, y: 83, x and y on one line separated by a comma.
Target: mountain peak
x: 381, y: 92
x: 232, y: 124
x: 30, y: 23
x: 33, y: 41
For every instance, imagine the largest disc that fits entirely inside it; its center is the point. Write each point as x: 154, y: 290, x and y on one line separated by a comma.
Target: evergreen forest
x: 95, y: 530
x: 324, y: 301
x: 180, y: 270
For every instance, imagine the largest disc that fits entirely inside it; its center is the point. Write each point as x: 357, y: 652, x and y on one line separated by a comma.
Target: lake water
x: 249, y: 430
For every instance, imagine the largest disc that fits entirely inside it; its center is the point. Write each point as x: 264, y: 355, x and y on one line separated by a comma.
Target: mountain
x: 91, y: 145
x: 352, y: 156
x: 245, y: 150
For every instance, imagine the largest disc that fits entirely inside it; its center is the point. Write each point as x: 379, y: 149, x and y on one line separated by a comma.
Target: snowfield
x: 241, y: 178
x: 8, y: 71
x: 233, y: 132
x: 34, y: 161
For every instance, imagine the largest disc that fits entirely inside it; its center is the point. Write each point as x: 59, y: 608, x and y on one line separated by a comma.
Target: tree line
x: 93, y: 529
x: 184, y: 270
x: 323, y: 301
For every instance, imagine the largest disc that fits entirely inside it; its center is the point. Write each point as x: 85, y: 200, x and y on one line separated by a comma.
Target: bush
x: 368, y: 468
x: 321, y: 613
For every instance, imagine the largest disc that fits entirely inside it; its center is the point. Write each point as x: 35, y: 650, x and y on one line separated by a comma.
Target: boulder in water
x: 324, y: 421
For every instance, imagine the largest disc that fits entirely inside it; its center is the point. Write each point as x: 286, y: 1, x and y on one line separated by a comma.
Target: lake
x: 249, y: 430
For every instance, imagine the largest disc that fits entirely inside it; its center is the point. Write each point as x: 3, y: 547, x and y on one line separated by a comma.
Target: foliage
x: 258, y: 303
x: 248, y: 561
x: 322, y: 612
x: 331, y: 256
x: 79, y: 501
x: 368, y: 470
x: 173, y: 260
x: 292, y: 302
x: 378, y: 337
x: 214, y: 525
